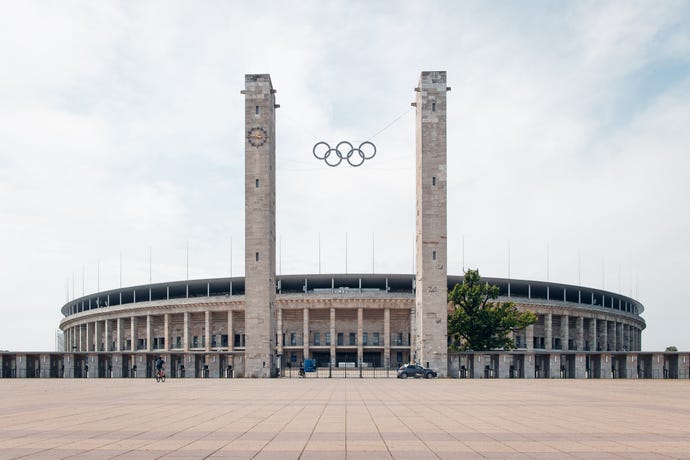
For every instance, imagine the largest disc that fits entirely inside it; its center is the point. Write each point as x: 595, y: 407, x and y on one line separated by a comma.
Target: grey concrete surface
x: 344, y: 419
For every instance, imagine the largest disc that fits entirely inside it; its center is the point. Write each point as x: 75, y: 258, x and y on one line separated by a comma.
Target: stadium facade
x: 264, y: 325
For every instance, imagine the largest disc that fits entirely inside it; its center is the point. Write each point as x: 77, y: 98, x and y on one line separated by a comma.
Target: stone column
x: 118, y: 338
x: 631, y: 364
x: 89, y: 336
x: 580, y: 366
x: 133, y: 328
x: 333, y: 338
x: 529, y: 337
x: 565, y: 332
x: 633, y: 338
x: 260, y: 225
x: 581, y: 333
x: 478, y: 366
x: 92, y: 360
x: 166, y: 331
x: 81, y: 341
x: 213, y: 364
x: 593, y: 334
x: 207, y: 330
x: 605, y: 371
x: 97, y: 335
x: 231, y: 333
x: 548, y: 330
x: 305, y: 332
x: 554, y: 366
x: 504, y: 363
x: 657, y: 366
x: 529, y: 365
x: 360, y: 345
x: 618, y: 343
x: 185, y: 332
x: 387, y: 337
x: 107, y: 333
x: 638, y: 333
x: 148, y: 333
x: 431, y: 294
x: 279, y: 329
x: 413, y: 336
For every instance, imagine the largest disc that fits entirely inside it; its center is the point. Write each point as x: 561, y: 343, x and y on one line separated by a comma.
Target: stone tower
x: 260, y: 226
x: 431, y: 312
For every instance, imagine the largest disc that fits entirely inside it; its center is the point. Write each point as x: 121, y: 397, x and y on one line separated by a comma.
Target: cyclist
x: 159, y: 366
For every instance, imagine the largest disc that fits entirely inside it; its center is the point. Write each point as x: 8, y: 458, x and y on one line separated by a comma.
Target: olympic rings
x: 354, y: 156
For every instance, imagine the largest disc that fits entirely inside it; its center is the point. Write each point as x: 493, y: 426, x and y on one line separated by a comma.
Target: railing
x: 343, y: 372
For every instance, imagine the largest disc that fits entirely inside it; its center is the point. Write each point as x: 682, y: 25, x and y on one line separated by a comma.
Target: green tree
x: 671, y: 348
x: 477, y: 322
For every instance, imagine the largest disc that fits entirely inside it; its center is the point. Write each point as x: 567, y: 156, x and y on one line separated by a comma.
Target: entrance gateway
x: 431, y: 293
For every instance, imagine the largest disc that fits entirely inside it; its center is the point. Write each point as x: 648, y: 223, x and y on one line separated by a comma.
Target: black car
x: 415, y: 370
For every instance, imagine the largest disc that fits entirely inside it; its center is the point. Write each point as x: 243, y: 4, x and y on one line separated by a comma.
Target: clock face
x: 257, y: 136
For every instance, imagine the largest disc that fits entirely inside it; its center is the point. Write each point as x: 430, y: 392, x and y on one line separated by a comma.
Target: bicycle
x: 160, y: 375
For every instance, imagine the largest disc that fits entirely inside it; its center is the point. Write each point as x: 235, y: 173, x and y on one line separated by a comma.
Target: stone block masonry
x: 260, y: 226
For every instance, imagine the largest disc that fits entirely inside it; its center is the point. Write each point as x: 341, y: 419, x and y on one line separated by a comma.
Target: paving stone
x: 338, y: 419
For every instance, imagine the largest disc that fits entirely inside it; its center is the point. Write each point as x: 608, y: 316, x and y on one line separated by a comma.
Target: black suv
x: 415, y: 370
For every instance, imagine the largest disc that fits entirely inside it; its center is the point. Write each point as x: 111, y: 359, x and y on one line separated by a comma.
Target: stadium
x: 263, y: 325
x: 340, y: 321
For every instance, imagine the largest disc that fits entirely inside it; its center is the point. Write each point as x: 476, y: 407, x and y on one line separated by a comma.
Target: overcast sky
x: 122, y: 136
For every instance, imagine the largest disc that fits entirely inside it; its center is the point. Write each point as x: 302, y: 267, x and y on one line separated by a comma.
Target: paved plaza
x: 344, y: 418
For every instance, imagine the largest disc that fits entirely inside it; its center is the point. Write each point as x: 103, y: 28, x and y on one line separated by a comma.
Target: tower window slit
x: 433, y: 107
x: 433, y: 180
x: 257, y: 109
x: 257, y: 256
x: 257, y: 183
x: 433, y: 255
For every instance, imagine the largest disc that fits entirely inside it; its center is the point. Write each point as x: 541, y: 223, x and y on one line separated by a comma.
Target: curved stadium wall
x: 337, y: 320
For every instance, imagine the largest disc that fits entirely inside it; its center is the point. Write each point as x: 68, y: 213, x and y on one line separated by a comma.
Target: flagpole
x: 346, y: 253
x: 547, y: 263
